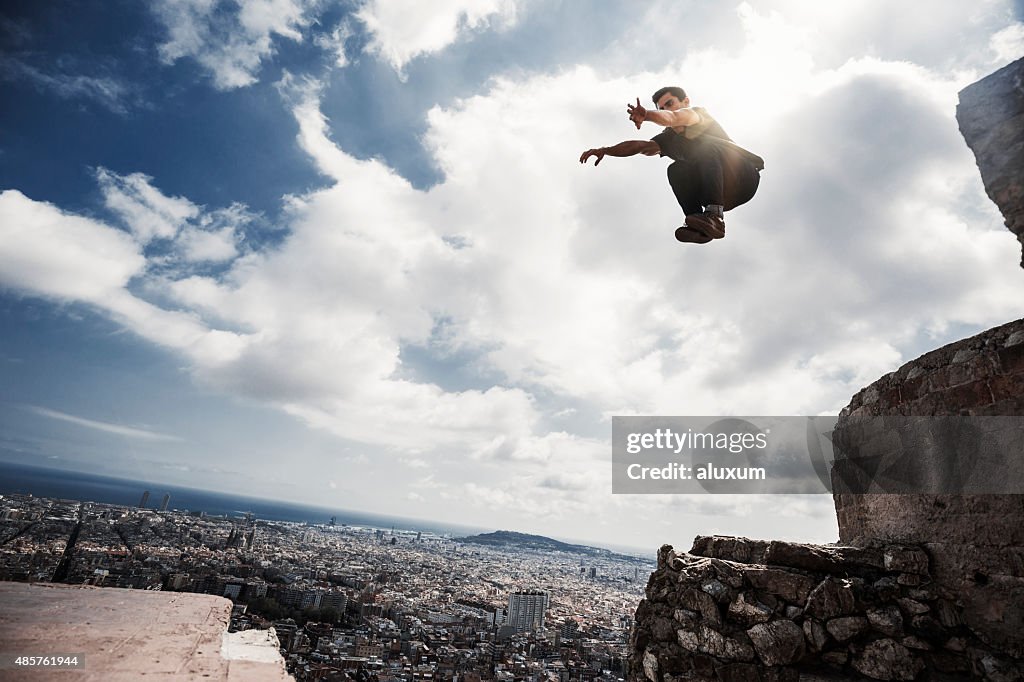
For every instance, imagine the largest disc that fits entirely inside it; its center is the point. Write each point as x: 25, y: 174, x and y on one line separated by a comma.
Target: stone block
x: 837, y: 560
x: 707, y: 641
x: 956, y: 644
x: 815, y: 634
x: 739, y: 550
x: 908, y: 579
x: 887, y: 620
x: 703, y: 603
x: 912, y: 607
x: 663, y: 630
x: 1011, y: 359
x: 685, y: 617
x: 716, y: 590
x: 912, y: 642
x: 789, y: 585
x: 905, y: 560
x: 728, y: 573
x: 747, y: 613
x: 1006, y: 386
x: 779, y: 642
x: 961, y: 398
x: 1013, y: 339
x: 979, y: 366
x: 884, y: 589
x: 650, y: 664
x: 1000, y: 669
x: 830, y: 599
x: 927, y: 627
x: 885, y: 659
x: 845, y: 628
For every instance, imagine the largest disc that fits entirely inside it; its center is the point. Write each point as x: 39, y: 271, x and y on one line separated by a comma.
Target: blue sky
x: 344, y: 253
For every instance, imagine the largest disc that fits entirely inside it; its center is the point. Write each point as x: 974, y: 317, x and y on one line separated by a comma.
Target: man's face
x: 670, y: 102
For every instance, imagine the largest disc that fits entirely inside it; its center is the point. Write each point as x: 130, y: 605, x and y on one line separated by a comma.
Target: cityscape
x: 263, y: 262
x: 347, y: 601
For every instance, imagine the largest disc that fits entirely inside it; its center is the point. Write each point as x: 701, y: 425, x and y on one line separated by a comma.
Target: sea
x: 75, y: 485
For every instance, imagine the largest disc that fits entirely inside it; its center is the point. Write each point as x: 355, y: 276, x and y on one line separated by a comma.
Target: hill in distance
x: 511, y: 539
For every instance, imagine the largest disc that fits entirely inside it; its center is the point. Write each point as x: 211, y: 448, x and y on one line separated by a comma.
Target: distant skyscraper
x: 145, y: 499
x: 163, y: 505
x: 526, y: 610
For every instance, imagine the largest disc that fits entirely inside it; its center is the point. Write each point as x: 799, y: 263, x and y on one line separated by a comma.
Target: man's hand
x: 637, y: 114
x: 599, y: 153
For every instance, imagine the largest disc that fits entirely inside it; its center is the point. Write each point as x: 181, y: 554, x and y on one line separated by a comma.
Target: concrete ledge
x: 128, y: 634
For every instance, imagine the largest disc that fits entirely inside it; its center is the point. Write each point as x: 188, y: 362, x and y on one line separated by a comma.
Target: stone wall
x: 976, y: 541
x: 740, y: 610
x: 923, y: 587
x: 991, y: 118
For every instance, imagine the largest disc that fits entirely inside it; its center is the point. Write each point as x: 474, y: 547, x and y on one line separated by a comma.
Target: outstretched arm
x: 627, y: 148
x: 670, y: 119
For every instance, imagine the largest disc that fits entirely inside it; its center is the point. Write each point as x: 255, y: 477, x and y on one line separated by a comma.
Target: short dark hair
x: 678, y: 92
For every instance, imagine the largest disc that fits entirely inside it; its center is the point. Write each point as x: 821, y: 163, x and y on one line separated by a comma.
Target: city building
x: 526, y: 610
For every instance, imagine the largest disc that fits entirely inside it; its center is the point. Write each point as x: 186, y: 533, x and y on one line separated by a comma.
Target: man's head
x: 671, y: 98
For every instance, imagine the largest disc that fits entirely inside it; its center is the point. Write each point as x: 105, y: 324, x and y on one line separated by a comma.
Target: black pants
x: 715, y: 176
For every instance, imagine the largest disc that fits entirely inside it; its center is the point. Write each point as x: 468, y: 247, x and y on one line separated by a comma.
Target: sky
x: 344, y: 253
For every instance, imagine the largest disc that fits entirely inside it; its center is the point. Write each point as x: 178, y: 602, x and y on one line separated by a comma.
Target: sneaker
x: 688, y: 234
x: 710, y: 225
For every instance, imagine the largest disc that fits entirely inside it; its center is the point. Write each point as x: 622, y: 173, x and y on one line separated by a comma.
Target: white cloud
x: 146, y: 211
x: 404, y: 30
x: 107, y: 427
x: 230, y: 40
x: 940, y: 34
x: 198, y: 235
x: 1008, y: 44
x: 215, y: 235
x: 205, y: 246
x: 335, y: 43
x: 108, y: 91
x: 47, y: 251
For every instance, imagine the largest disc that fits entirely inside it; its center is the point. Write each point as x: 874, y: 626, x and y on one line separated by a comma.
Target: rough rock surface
x: 866, y: 625
x: 975, y: 542
x: 991, y: 118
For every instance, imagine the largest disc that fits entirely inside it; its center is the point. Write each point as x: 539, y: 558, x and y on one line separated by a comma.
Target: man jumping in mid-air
x: 710, y: 174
